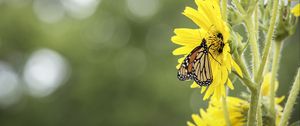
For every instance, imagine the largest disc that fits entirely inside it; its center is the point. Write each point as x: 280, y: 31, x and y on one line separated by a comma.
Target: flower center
x: 216, y: 42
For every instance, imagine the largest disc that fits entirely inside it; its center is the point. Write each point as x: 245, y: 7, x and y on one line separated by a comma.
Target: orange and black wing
x: 186, y: 67
x: 202, y: 73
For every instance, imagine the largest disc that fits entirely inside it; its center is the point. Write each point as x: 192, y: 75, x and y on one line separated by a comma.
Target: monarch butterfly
x: 196, y: 66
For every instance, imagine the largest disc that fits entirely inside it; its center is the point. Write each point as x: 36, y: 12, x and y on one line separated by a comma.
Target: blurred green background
x: 101, y: 63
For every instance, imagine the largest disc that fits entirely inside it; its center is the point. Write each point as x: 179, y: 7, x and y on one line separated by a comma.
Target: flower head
x: 214, y: 114
x: 287, y: 22
x: 216, y: 33
x: 237, y: 109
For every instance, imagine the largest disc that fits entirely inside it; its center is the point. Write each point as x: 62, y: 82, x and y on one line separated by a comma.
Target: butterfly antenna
x: 214, y: 58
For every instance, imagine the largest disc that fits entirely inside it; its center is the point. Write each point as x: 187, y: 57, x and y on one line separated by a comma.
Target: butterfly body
x: 222, y: 44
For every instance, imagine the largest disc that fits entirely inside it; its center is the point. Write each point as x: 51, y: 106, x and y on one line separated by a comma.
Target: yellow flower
x: 237, y: 109
x: 265, y: 90
x: 296, y: 10
x: 215, y: 31
x: 214, y: 115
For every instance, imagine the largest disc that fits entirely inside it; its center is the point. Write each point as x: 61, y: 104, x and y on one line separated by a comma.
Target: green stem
x: 252, y: 86
x: 239, y: 7
x: 256, y: 23
x: 259, y: 112
x: 275, y: 66
x: 239, y: 60
x: 253, y: 108
x: 246, y: 79
x: 224, y: 10
x: 268, y: 40
x: 291, y: 101
x: 243, y: 68
x: 226, y: 112
x: 267, y: 66
x: 253, y: 43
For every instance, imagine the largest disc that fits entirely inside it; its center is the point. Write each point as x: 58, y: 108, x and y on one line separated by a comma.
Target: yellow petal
x: 178, y: 66
x: 228, y: 61
x: 216, y: 70
x: 183, y: 50
x: 229, y: 84
x: 217, y: 1
x: 196, y: 119
x: 188, y: 33
x: 180, y: 40
x: 224, y: 75
x: 217, y: 92
x: 237, y: 68
x: 196, y: 17
x: 223, y: 91
x: 208, y: 93
x: 296, y: 10
x: 203, y: 113
x: 180, y: 60
x: 190, y: 124
x: 211, y: 10
x: 185, y: 36
x: 265, y: 88
x: 195, y: 85
x: 203, y: 89
x: 279, y: 100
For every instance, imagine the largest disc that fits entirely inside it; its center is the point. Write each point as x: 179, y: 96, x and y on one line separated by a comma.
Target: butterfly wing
x: 196, y: 66
x: 186, y: 67
x: 202, y: 73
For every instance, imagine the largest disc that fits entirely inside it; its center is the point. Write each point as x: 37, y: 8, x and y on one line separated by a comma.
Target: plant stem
x: 239, y: 7
x: 246, y: 79
x: 259, y: 104
x: 224, y: 10
x: 256, y: 22
x: 253, y: 43
x: 241, y: 63
x: 225, y: 110
x: 258, y: 75
x: 268, y: 40
x: 259, y: 112
x: 267, y: 66
x: 275, y: 66
x: 253, y: 108
x: 253, y: 88
x: 291, y: 100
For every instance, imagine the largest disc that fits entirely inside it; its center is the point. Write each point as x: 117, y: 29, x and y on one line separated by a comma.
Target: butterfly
x: 196, y: 66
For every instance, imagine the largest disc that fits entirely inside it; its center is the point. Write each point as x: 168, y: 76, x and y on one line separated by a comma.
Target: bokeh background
x: 101, y: 63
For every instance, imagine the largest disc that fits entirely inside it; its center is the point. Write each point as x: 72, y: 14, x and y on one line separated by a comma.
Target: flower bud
x: 286, y: 24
